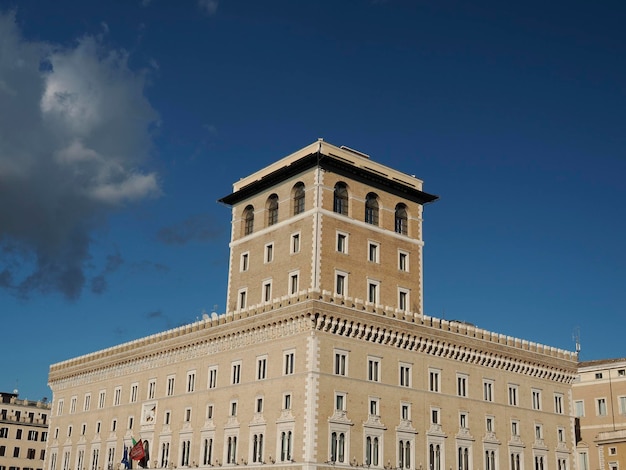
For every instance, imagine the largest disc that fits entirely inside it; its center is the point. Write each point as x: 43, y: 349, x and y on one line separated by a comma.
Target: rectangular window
x: 536, y: 396
x: 167, y: 418
x: 341, y: 283
x: 101, y: 399
x: 151, y: 389
x: 560, y: 434
x: 131, y: 421
x: 374, y: 407
x: 261, y: 368
x: 87, y: 403
x: 434, y: 416
x: 170, y: 386
x: 289, y: 362
x: 403, y: 261
x: 117, y: 396
x: 622, y: 405
x: 538, y: 431
x: 373, y: 369
x: 434, y: 380
x: 405, y: 375
x: 295, y: 243
x: 191, y: 381
x: 372, y: 291
x: 463, y: 420
x: 598, y: 375
x: 515, y: 428
x: 294, y: 279
x: 209, y: 412
x: 488, y: 390
x: 513, y: 392
x: 601, y: 406
x: 287, y: 401
x: 579, y: 408
x: 245, y: 262
x: 341, y: 363
x: 212, y: 376
x: 405, y: 411
x: 342, y: 243
x: 403, y: 299
x: 340, y: 401
x: 243, y: 293
x: 59, y: 409
x: 236, y: 373
x: 461, y: 385
x: 233, y: 408
x: 72, y: 405
x: 489, y: 427
x: 373, y: 252
x: 267, y: 291
x: 269, y: 252
x: 558, y: 403
x: 134, y: 389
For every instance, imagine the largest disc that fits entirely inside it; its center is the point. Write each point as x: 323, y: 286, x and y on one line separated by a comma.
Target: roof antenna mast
x: 576, y: 338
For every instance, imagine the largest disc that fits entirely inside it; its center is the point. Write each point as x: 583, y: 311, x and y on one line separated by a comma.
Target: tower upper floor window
x: 340, y: 201
x: 272, y: 209
x: 298, y: 198
x: 401, y: 219
x: 371, y: 209
x: 248, y: 220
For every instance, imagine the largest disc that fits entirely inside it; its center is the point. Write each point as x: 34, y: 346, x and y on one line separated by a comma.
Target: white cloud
x: 74, y: 132
x: 208, y: 6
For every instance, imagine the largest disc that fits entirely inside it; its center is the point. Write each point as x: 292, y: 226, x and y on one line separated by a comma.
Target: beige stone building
x: 324, y: 357
x: 599, y: 397
x: 23, y: 432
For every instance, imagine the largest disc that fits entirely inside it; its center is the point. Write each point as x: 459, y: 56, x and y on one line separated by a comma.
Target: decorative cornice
x: 323, y: 312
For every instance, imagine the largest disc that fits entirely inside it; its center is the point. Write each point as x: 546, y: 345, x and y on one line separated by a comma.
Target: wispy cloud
x: 99, y: 282
x: 146, y: 265
x: 197, y: 228
x: 208, y: 6
x: 75, y: 127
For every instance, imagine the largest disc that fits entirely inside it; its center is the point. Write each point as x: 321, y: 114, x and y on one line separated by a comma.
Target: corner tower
x: 327, y: 219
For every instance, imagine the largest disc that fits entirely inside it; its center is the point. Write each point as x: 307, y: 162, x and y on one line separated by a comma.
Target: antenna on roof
x: 576, y: 338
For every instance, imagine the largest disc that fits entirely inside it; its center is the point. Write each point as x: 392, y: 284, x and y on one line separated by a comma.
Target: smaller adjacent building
x: 23, y: 432
x: 599, y: 398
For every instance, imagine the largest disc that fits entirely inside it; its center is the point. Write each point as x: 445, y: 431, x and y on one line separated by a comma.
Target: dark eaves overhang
x: 336, y: 164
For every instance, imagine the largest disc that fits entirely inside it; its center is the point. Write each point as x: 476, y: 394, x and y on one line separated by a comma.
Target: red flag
x: 137, y: 452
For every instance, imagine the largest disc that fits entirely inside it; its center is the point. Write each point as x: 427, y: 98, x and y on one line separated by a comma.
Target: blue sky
x: 123, y: 122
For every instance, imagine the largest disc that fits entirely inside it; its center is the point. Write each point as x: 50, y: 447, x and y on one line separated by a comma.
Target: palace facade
x: 324, y: 357
x: 23, y: 432
x: 599, y: 396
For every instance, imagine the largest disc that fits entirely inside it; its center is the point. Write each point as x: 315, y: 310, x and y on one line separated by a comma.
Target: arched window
x: 340, y: 202
x: 248, y: 220
x: 272, y: 210
x: 434, y: 457
x: 371, y: 209
x: 401, y: 219
x: 298, y: 198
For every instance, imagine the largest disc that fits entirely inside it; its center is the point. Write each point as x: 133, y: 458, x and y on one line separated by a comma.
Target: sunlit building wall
x: 23, y: 432
x: 599, y: 398
x: 324, y: 357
